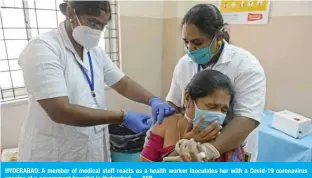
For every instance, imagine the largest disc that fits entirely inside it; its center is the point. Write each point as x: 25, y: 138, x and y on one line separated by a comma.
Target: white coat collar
x: 68, y: 44
x: 65, y: 37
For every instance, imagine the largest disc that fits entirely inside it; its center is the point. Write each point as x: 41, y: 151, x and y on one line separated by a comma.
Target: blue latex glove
x: 137, y: 122
x: 160, y: 109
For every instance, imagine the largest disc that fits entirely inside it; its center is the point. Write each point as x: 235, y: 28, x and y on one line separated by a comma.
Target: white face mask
x: 86, y: 36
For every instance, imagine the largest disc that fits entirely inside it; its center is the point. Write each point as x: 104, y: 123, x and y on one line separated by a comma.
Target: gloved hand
x: 137, y: 122
x: 160, y: 109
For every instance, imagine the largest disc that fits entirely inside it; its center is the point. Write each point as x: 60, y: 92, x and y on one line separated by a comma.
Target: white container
x: 291, y: 123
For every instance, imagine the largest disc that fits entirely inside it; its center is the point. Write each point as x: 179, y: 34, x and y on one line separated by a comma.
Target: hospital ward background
x: 144, y: 40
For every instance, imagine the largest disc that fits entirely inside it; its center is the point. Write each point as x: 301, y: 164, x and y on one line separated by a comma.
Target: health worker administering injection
x: 65, y: 73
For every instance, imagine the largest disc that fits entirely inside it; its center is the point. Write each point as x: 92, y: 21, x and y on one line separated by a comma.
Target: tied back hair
x: 208, y: 19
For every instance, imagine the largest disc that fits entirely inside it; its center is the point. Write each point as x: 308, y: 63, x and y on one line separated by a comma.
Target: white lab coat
x: 246, y: 75
x: 50, y: 68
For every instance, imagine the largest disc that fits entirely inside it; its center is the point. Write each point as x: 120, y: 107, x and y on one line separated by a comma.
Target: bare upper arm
x: 168, y: 130
x: 121, y: 85
x: 249, y: 123
x: 55, y: 107
x: 160, y: 129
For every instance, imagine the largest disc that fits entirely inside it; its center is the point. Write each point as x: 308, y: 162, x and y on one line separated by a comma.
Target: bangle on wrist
x: 122, y: 116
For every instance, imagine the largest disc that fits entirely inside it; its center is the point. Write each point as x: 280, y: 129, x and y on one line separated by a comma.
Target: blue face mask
x: 210, y: 117
x: 202, y: 55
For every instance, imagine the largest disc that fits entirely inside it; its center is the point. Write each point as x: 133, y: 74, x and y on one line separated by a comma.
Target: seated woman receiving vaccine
x: 206, y: 101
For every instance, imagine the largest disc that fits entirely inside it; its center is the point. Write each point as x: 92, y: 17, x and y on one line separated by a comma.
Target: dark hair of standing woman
x: 207, y: 18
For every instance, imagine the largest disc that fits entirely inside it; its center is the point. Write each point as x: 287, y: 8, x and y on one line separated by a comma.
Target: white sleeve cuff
x: 256, y: 117
x: 171, y: 99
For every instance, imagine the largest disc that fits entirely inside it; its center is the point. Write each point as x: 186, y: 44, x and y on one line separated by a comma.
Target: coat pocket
x: 73, y: 150
x: 44, y: 149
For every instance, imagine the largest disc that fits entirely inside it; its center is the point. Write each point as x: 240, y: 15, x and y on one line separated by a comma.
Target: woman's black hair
x: 206, y: 82
x: 226, y: 35
x: 87, y: 7
x: 206, y: 17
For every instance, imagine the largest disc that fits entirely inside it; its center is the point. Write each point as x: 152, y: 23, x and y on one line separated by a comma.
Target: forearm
x: 133, y: 91
x: 234, y: 134
x: 76, y: 115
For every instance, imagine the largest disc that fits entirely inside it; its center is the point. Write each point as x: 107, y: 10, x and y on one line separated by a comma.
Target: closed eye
x: 217, y: 107
x: 196, y: 42
x: 212, y: 106
x: 224, y: 110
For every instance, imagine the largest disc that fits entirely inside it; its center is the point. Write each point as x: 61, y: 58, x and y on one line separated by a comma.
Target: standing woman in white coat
x: 65, y: 73
x: 202, y: 34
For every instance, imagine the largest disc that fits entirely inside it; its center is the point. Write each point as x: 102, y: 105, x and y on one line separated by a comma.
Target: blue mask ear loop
x: 187, y: 118
x: 212, y: 55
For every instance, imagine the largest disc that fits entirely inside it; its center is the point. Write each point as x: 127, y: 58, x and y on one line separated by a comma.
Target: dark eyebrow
x: 215, y: 104
x: 211, y: 105
x: 192, y: 39
x: 195, y: 41
x: 97, y: 21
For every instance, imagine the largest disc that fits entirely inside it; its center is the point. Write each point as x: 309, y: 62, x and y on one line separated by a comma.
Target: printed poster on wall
x: 245, y: 11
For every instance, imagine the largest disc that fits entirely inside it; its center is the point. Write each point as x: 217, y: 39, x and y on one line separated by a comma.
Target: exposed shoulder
x: 168, y: 123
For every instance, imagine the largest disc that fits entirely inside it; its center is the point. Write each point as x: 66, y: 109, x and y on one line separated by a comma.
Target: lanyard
x: 198, y: 67
x: 90, y: 82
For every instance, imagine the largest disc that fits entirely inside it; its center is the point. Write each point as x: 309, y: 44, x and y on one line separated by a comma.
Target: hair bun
x: 226, y: 32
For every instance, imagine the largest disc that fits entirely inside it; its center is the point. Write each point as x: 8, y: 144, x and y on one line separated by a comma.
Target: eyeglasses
x: 92, y: 22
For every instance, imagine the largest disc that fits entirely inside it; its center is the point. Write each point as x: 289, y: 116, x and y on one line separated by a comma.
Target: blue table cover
x: 275, y: 146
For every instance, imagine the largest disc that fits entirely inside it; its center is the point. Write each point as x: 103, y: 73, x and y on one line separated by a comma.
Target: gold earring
x: 220, y: 42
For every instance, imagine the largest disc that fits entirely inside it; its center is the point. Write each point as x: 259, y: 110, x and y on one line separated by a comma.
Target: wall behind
x: 141, y: 31
x: 141, y: 52
x: 151, y: 45
x: 283, y: 47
